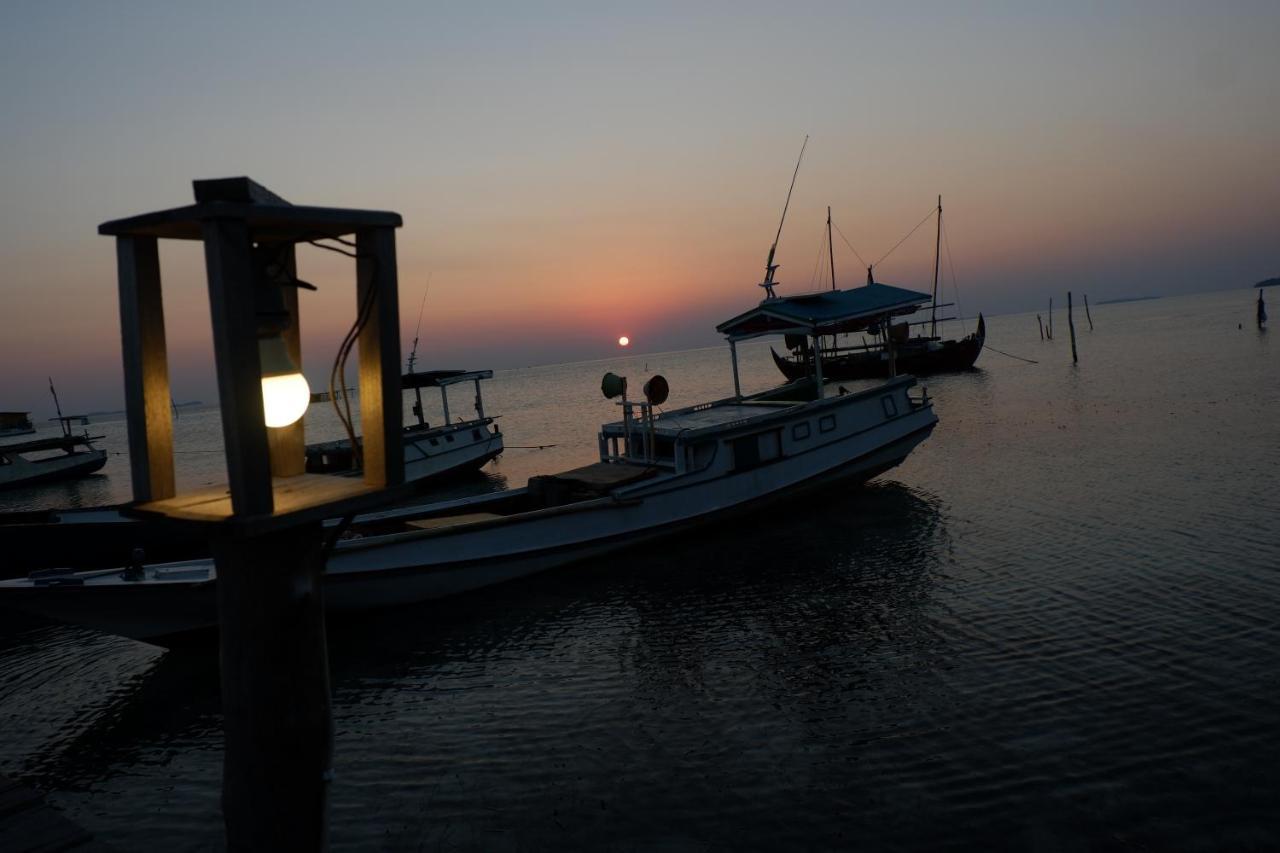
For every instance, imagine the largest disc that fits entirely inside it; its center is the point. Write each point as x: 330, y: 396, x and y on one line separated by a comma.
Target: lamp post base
x: 275, y: 690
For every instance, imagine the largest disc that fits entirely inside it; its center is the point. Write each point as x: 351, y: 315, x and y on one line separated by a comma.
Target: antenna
x: 769, y: 265
x: 413, y: 354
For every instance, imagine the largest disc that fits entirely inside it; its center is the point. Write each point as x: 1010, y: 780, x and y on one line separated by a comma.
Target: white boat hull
x: 454, y: 547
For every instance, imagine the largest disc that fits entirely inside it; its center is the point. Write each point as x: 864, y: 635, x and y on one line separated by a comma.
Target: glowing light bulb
x: 285, y: 392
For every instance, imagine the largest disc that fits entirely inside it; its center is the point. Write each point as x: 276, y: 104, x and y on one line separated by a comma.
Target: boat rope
x: 927, y: 217
x: 528, y: 446
x: 1011, y: 355
x: 850, y: 245
x: 813, y: 277
x: 955, y: 285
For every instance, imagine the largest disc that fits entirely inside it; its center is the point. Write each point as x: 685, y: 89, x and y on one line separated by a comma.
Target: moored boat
x: 430, y: 452
x: 44, y: 459
x: 658, y: 473
x: 920, y: 354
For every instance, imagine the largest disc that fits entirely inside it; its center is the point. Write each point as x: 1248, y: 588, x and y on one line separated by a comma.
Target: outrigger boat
x: 920, y: 355
x: 657, y: 473
x: 43, y: 459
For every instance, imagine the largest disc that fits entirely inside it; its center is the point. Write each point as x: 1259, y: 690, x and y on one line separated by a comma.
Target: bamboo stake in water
x: 1072, y: 327
x: 1086, y: 312
x: 1040, y: 323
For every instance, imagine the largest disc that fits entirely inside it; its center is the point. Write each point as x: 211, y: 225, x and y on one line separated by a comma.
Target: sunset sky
x: 572, y: 173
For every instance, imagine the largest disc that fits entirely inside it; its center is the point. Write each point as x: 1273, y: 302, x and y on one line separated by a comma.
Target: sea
x: 1055, y: 626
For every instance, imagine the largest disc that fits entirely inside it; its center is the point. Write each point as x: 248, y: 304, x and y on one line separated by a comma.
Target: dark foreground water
x: 1056, y: 627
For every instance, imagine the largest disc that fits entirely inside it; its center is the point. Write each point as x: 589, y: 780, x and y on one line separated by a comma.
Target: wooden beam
x: 146, y: 368
x: 275, y: 690
x: 381, y: 414
x: 228, y: 259
x: 289, y: 444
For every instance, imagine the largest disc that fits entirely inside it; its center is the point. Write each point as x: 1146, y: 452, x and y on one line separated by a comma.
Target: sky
x: 570, y: 173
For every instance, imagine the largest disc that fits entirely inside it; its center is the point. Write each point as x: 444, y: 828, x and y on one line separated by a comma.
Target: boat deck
x: 671, y: 424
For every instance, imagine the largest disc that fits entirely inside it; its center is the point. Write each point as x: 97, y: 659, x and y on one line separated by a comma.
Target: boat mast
x: 937, y: 249
x: 63, y: 422
x: 831, y: 252
x: 769, y: 265
x: 413, y: 355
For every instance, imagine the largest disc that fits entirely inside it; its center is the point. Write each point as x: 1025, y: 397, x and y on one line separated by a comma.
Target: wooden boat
x: 920, y: 355
x: 657, y: 473
x: 59, y: 458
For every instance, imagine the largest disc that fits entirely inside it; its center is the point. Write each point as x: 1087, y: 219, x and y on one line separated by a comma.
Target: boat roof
x: 440, y: 378
x: 824, y: 312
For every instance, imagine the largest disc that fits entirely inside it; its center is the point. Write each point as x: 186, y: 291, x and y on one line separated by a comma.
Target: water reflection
x: 802, y: 590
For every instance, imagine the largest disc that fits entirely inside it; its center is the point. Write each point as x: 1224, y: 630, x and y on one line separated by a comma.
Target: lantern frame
x: 267, y: 488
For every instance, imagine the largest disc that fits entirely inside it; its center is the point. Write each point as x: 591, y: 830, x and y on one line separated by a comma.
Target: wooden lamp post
x: 265, y: 523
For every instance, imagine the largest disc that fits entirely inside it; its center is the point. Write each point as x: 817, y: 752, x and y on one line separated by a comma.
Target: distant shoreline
x: 1128, y: 299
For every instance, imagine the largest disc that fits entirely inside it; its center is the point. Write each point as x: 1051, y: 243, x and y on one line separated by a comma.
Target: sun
x: 624, y: 341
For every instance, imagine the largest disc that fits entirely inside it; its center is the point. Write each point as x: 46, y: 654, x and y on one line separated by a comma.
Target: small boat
x: 658, y: 473
x: 59, y: 458
x: 919, y: 355
x: 44, y: 459
x: 430, y: 452
x: 15, y: 423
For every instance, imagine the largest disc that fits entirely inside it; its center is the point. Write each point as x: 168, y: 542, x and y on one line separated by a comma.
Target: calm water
x: 1057, y: 626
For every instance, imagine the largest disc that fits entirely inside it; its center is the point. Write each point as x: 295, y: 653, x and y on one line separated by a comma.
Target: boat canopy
x: 441, y: 378
x: 825, y: 312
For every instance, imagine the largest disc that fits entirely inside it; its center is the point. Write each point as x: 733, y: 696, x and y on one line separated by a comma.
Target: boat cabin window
x: 751, y: 451
x: 826, y: 423
x: 701, y: 455
x: 800, y: 432
x: 890, y: 407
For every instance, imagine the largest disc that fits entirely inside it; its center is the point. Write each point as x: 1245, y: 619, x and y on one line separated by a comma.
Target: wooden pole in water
x: 1086, y: 312
x: 1050, y: 318
x: 1071, y: 326
x: 1040, y: 323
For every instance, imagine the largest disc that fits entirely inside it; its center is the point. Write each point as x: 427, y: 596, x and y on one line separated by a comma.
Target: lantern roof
x: 270, y: 218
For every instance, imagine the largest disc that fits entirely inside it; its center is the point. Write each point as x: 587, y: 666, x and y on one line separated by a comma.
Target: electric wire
x: 337, y: 391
